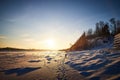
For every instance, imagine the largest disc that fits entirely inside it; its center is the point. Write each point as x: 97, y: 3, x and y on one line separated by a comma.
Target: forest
x: 103, y: 30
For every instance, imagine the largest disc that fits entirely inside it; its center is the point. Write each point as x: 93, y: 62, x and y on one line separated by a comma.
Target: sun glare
x: 50, y: 43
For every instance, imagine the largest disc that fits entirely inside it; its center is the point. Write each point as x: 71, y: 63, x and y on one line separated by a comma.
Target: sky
x: 47, y: 24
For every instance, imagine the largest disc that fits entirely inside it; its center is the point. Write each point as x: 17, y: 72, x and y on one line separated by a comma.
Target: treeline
x: 102, y: 29
x: 17, y: 49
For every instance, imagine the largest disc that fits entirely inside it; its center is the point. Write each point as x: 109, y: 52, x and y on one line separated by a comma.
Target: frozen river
x: 44, y: 65
x: 103, y: 64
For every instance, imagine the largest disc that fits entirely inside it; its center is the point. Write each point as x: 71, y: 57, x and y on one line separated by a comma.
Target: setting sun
x: 50, y: 44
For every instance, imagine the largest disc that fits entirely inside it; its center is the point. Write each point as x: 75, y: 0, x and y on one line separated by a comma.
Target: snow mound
x: 96, y: 64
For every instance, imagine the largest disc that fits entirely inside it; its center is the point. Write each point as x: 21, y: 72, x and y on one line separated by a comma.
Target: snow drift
x: 99, y: 64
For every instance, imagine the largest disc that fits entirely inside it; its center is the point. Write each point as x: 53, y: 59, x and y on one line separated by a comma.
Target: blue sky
x: 28, y: 23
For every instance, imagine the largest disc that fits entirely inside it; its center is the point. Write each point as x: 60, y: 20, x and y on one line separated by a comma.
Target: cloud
x: 2, y: 37
x: 25, y: 35
x: 28, y: 39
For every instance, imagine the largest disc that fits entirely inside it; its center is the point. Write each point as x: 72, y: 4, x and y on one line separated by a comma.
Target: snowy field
x: 101, y: 64
x: 56, y: 65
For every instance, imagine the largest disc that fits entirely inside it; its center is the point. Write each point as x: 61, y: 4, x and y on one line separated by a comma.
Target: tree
x: 84, y: 42
x: 105, y: 31
x: 101, y: 24
x: 89, y: 32
x: 118, y: 26
x: 114, y: 27
x: 98, y: 31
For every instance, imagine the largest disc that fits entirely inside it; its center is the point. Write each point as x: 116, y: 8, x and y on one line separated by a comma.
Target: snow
x: 99, y: 64
x: 100, y: 43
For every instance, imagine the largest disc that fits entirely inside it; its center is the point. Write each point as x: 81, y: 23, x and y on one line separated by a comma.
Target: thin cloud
x: 2, y: 37
x: 28, y: 40
x: 25, y: 35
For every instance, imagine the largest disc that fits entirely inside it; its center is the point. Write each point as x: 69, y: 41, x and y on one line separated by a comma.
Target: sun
x: 50, y: 43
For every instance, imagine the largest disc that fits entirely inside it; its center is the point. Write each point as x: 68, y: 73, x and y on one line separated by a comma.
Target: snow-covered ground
x: 30, y: 65
x: 102, y: 64
x: 99, y: 64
